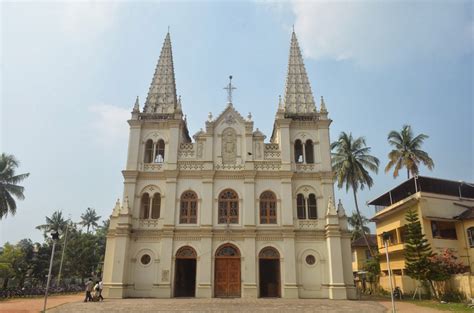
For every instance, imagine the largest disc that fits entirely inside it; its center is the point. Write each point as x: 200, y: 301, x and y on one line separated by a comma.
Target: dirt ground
x: 35, y: 305
x: 405, y: 307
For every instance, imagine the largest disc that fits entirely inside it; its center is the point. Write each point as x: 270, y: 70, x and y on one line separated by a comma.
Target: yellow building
x: 360, y: 252
x: 445, y: 209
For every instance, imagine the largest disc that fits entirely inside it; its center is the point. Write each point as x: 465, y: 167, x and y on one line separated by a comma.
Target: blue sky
x: 71, y: 72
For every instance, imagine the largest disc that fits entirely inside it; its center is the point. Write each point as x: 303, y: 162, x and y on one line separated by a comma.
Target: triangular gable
x: 230, y: 116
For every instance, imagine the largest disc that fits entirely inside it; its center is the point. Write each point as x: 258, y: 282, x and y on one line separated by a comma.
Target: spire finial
x: 168, y: 29
x: 229, y: 89
x: 293, y: 27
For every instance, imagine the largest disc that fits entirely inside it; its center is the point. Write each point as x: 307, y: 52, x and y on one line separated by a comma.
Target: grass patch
x: 450, y: 307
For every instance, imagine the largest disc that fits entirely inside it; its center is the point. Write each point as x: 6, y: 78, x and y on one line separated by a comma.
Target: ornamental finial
x: 323, y: 106
x: 136, y: 107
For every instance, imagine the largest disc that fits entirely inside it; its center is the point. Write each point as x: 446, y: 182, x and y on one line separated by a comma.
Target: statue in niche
x: 199, y: 149
x: 229, y: 146
x: 259, y: 150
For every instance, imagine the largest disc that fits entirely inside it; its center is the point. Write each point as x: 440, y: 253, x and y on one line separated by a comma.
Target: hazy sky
x: 70, y: 72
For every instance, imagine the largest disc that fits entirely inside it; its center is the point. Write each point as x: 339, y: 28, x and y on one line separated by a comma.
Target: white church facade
x: 228, y: 214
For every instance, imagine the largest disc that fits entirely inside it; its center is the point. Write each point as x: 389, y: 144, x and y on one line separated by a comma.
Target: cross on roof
x: 229, y: 89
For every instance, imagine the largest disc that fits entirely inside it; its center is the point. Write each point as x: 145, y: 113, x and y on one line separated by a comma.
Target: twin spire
x: 162, y: 93
x: 297, y: 99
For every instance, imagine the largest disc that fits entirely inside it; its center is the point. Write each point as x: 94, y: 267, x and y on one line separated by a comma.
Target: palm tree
x: 9, y: 187
x: 54, y: 223
x: 89, y: 219
x: 349, y: 162
x: 358, y: 225
x: 407, y: 152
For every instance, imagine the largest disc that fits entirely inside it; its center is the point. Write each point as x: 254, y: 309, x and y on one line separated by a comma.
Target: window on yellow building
x: 470, y: 236
x: 443, y: 230
x: 403, y: 234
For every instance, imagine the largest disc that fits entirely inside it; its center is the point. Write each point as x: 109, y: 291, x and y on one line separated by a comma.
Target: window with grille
x: 148, y: 151
x: 228, y: 207
x: 268, y: 208
x: 312, y: 207
x: 145, y: 206
x: 188, y: 210
x: 301, y: 206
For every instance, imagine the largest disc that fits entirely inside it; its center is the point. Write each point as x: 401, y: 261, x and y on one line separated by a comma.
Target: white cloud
x: 374, y: 33
x: 110, y: 123
x: 87, y: 18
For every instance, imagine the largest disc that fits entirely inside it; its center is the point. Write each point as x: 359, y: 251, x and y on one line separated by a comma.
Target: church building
x: 226, y: 213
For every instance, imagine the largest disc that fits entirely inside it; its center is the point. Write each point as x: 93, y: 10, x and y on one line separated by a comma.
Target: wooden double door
x: 227, y: 282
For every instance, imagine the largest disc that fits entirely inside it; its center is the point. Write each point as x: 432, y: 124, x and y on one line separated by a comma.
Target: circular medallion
x: 145, y: 259
x: 310, y: 259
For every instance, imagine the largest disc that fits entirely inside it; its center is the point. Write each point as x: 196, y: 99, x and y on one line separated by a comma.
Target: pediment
x: 230, y: 117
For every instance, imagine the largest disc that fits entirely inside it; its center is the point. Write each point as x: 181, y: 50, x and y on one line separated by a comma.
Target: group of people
x: 96, y: 288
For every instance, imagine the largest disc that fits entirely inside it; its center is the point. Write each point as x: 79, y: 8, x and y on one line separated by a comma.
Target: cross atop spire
x: 298, y: 97
x: 162, y: 93
x: 229, y: 89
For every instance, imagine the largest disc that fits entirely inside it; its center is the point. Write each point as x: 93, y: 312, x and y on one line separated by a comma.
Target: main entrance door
x: 269, y: 273
x: 227, y: 272
x: 185, y: 273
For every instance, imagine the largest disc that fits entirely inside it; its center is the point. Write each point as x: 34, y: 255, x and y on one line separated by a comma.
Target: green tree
x: 372, y: 267
x: 12, y: 263
x: 89, y: 219
x: 54, y: 223
x: 358, y: 225
x: 83, y: 254
x: 407, y: 152
x: 9, y: 188
x: 418, y: 253
x: 350, y: 160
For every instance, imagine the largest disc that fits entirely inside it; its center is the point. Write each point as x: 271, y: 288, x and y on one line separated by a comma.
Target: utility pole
x: 386, y: 237
x: 62, y: 253
x: 55, y: 237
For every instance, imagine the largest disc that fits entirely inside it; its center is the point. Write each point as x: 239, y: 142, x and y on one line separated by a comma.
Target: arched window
x: 268, y: 208
x: 145, y: 206
x: 156, y: 206
x: 188, y: 210
x: 186, y: 252
x: 470, y: 236
x: 298, y: 151
x: 309, y: 157
x: 148, y: 151
x: 160, y: 151
x: 228, y: 207
x: 312, y: 207
x: 300, y: 206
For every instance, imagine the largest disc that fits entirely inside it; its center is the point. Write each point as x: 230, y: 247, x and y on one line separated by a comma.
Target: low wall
x: 461, y: 282
x: 406, y: 284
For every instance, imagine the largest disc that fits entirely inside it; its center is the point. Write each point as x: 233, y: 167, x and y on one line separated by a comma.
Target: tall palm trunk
x: 360, y: 221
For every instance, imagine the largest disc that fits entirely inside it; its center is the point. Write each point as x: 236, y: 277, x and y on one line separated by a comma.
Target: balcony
x: 152, y: 167
x: 303, y: 167
x: 307, y: 224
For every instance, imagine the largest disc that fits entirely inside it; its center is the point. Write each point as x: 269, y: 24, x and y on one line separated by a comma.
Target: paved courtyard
x: 221, y: 305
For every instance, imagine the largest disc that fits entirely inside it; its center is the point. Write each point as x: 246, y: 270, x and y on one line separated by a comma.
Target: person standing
x: 101, y: 286
x: 89, y: 287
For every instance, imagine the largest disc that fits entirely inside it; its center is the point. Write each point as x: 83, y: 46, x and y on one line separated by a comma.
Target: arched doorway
x: 185, y: 273
x: 227, y: 272
x: 269, y: 273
